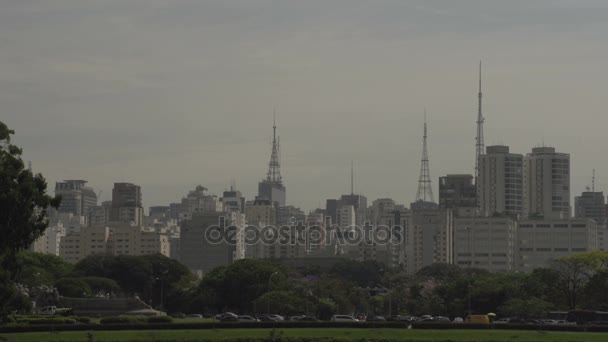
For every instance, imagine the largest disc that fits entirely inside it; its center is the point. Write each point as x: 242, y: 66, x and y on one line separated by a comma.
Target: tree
x: 73, y: 287
x: 283, y: 302
x: 23, y: 205
x: 574, y: 271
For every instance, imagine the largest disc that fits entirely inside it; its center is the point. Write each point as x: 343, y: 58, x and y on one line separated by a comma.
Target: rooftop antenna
x: 274, y: 166
x: 479, y: 144
x: 425, y: 190
x: 352, y: 178
x: 593, y: 181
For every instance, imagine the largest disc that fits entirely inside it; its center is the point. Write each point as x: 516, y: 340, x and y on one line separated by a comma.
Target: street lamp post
x: 162, y: 290
x: 269, y: 280
x: 469, y: 271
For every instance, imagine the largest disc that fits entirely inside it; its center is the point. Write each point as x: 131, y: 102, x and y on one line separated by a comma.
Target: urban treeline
x: 263, y: 286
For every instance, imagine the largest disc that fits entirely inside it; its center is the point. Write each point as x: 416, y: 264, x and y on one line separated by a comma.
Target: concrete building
x: 49, y: 242
x: 591, y: 205
x: 346, y: 216
x: 98, y: 216
x: 197, y: 251
x: 76, y: 198
x: 121, y: 239
x: 127, y: 204
x: 500, y: 182
x: 159, y: 211
x: 430, y: 234
x: 290, y: 215
x: 547, y: 184
x: 541, y: 241
x: 456, y: 191
x: 233, y: 200
x: 273, y: 191
x: 487, y: 243
x: 88, y: 241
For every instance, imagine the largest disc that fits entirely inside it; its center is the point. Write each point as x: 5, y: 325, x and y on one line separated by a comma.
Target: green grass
x: 314, y: 333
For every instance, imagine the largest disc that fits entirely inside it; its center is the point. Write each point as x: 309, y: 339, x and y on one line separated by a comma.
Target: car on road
x: 307, y: 319
x: 343, y: 318
x: 458, y: 320
x: 266, y: 318
x: 194, y: 316
x: 441, y: 319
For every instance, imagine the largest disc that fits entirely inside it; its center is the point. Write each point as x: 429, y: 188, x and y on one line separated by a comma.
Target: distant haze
x: 171, y: 94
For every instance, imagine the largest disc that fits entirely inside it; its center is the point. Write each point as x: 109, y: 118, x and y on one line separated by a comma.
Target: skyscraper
x: 126, y: 204
x: 272, y: 187
x: 457, y: 191
x: 76, y: 198
x: 500, y: 182
x: 547, y: 183
x: 591, y: 204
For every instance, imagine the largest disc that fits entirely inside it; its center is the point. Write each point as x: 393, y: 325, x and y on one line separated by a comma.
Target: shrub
x: 160, y: 319
x: 80, y: 319
x: 123, y: 320
x: 49, y: 320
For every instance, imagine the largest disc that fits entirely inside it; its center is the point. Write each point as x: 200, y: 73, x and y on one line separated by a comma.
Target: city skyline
x: 156, y: 110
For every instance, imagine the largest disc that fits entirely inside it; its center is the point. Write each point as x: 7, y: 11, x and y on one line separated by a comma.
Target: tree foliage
x: 23, y: 212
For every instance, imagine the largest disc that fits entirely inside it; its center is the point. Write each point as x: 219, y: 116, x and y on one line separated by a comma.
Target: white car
x: 48, y: 310
x: 343, y: 318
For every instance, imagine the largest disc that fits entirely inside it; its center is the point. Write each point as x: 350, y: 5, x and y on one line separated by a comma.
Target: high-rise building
x: 430, y: 235
x: 457, y: 191
x: 290, y: 215
x: 127, y: 204
x: 233, y: 200
x: 591, y: 204
x: 197, y: 251
x: 500, y: 182
x: 272, y: 187
x: 76, y: 198
x: 547, y: 184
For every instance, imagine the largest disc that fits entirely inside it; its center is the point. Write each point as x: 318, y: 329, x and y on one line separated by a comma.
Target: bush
x: 160, y: 319
x: 123, y: 320
x: 49, y: 320
x: 80, y: 319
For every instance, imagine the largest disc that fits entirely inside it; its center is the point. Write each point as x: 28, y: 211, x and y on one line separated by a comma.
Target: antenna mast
x: 479, y: 144
x: 425, y: 190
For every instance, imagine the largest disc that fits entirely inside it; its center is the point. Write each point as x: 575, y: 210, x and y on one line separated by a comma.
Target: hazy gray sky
x: 171, y: 94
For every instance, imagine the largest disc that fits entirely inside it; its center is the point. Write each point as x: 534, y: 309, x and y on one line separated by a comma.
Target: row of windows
x: 546, y: 249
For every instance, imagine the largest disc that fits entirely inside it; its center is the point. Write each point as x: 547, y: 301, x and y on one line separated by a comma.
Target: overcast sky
x: 171, y: 94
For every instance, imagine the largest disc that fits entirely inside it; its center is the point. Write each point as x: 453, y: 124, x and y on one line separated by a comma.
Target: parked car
x: 48, y: 310
x: 307, y: 319
x: 441, y: 319
x: 246, y: 318
x: 343, y: 318
x: 294, y: 318
x: 458, y: 320
x: 501, y: 321
x: 266, y: 318
x: 376, y: 319
x: 277, y: 317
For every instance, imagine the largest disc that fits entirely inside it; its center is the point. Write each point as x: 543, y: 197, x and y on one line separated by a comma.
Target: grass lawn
x: 318, y: 333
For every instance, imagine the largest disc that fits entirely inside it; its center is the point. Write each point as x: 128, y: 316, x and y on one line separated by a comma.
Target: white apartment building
x: 487, y: 243
x: 542, y: 241
x: 500, y: 182
x: 120, y: 239
x: 547, y: 184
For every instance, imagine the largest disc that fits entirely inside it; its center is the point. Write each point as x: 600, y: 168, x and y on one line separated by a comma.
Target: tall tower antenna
x: 593, y: 181
x: 352, y: 178
x: 479, y: 145
x: 425, y: 191
x: 274, y: 167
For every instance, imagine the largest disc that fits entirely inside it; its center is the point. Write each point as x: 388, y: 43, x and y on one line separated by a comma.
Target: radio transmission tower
x: 425, y: 191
